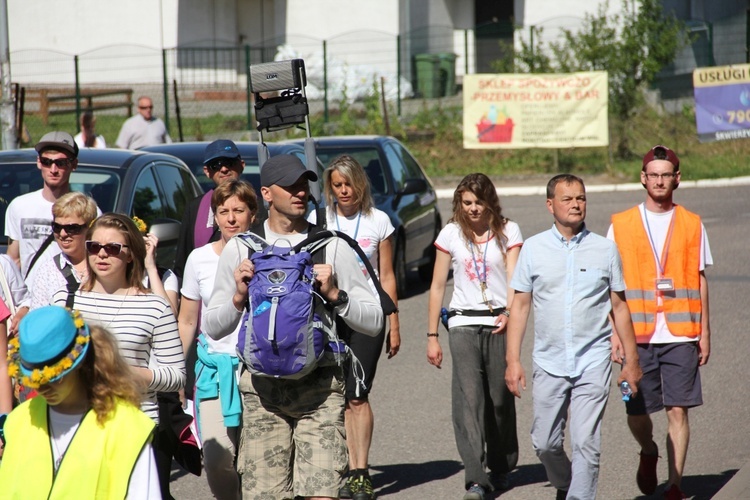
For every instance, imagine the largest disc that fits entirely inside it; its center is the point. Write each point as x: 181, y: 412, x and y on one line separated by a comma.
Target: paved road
x: 414, y: 455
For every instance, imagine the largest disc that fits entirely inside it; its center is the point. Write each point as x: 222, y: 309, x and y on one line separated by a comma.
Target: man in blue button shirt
x: 574, y: 278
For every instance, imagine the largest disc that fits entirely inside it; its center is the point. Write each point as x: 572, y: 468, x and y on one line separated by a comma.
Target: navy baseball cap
x: 284, y: 170
x: 223, y: 148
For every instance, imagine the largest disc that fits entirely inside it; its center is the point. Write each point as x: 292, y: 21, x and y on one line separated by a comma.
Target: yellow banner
x: 535, y: 111
x: 715, y: 76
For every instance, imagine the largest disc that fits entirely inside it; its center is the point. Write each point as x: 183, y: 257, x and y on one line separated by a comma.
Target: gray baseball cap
x: 59, y: 140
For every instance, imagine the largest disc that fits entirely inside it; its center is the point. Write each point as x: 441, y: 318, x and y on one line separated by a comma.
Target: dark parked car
x: 401, y: 189
x: 154, y: 187
x: 192, y: 154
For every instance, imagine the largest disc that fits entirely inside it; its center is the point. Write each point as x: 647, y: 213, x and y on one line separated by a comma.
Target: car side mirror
x: 165, y: 229
x: 411, y: 186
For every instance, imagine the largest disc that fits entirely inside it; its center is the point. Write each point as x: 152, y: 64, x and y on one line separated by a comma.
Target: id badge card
x: 665, y: 284
x: 486, y: 298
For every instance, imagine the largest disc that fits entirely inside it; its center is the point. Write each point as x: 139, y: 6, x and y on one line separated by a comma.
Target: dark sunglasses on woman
x: 71, y: 229
x: 112, y: 249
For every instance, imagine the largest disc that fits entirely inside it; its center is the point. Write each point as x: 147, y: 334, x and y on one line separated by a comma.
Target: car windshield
x: 17, y: 179
x: 366, y: 156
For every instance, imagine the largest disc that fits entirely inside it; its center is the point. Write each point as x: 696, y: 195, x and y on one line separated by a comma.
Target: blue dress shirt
x: 570, y: 282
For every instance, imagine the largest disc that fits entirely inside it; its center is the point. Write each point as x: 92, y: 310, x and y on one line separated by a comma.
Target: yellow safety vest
x: 682, y: 306
x: 97, y: 464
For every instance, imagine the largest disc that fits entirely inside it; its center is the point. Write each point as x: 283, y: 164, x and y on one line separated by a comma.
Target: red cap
x: 661, y: 153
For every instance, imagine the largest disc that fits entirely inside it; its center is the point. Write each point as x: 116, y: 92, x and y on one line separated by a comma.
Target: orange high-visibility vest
x: 682, y: 306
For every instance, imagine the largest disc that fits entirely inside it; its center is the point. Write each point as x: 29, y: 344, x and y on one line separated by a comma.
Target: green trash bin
x: 447, y: 65
x: 428, y: 75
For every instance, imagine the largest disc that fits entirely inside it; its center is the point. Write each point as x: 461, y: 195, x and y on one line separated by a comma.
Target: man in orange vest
x: 664, y: 250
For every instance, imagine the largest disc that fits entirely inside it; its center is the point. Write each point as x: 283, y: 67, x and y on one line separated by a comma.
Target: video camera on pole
x: 288, y: 108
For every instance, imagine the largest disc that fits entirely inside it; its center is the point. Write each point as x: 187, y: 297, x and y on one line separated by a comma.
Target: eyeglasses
x: 145, y: 107
x: 668, y: 175
x: 60, y: 162
x: 71, y: 229
x: 216, y: 165
x: 112, y: 249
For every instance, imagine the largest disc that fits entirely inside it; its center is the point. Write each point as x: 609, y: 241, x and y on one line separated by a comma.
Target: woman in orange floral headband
x: 84, y: 436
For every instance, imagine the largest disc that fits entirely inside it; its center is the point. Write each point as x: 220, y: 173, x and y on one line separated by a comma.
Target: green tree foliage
x: 632, y: 45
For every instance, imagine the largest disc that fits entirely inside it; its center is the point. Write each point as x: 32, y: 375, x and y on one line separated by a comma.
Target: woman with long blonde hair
x: 83, y: 436
x: 114, y: 297
x: 482, y: 247
x: 350, y: 209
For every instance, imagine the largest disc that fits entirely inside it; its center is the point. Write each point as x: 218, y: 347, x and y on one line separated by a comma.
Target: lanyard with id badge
x: 663, y: 283
x: 485, y: 294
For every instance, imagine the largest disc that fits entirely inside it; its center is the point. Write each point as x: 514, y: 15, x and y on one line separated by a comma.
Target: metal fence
x: 207, y: 85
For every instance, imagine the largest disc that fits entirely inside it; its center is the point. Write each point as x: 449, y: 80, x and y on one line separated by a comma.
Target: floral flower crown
x: 142, y: 227
x: 44, y: 375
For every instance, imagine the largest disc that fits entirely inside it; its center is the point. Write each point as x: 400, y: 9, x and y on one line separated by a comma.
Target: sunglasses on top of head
x: 216, y: 165
x: 71, y: 229
x: 60, y: 162
x: 112, y: 249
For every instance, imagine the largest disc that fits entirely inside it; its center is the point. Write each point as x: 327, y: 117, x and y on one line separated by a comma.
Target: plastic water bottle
x: 444, y: 317
x: 625, y: 390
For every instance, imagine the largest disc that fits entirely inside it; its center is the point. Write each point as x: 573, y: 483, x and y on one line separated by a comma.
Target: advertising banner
x: 514, y: 111
x: 722, y: 102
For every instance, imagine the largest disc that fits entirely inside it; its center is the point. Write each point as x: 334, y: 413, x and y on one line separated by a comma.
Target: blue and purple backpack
x: 286, y: 330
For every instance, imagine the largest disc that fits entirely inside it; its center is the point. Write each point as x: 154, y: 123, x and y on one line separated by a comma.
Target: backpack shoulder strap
x: 47, y: 242
x: 72, y: 283
x: 321, y: 238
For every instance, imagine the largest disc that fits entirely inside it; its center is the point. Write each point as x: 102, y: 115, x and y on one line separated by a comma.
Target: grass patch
x: 434, y: 135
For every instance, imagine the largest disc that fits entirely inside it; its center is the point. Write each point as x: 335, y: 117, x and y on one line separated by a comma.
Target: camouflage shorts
x: 293, y: 439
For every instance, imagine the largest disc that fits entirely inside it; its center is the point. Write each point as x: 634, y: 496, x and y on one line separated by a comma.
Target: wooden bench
x: 55, y: 101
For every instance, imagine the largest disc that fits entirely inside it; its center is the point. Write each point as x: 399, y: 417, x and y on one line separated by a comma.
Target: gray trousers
x: 484, y: 411
x: 586, y: 397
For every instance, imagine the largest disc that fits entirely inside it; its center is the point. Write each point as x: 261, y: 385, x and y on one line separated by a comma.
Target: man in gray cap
x: 221, y: 161
x: 296, y: 423
x: 28, y: 220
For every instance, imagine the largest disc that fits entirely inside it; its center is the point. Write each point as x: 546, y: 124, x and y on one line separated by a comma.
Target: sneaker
x: 364, y: 489
x: 646, y: 476
x: 499, y: 481
x: 561, y: 495
x: 674, y: 493
x: 346, y: 491
x: 475, y: 492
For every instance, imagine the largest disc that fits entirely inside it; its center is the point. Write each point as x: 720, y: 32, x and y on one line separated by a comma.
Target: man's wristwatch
x: 342, y: 299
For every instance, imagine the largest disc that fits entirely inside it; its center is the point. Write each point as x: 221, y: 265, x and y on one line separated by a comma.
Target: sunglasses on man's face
x: 60, y: 162
x: 217, y: 165
x: 71, y: 229
x: 112, y: 249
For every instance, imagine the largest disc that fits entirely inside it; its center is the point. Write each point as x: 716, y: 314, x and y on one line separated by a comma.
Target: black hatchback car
x: 154, y: 187
x: 192, y: 154
x: 401, y: 189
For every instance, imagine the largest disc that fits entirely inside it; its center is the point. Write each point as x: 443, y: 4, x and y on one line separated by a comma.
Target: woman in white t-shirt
x: 482, y: 247
x: 234, y: 204
x: 350, y: 210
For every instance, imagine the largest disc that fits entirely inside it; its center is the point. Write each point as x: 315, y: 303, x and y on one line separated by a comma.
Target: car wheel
x: 399, y: 268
